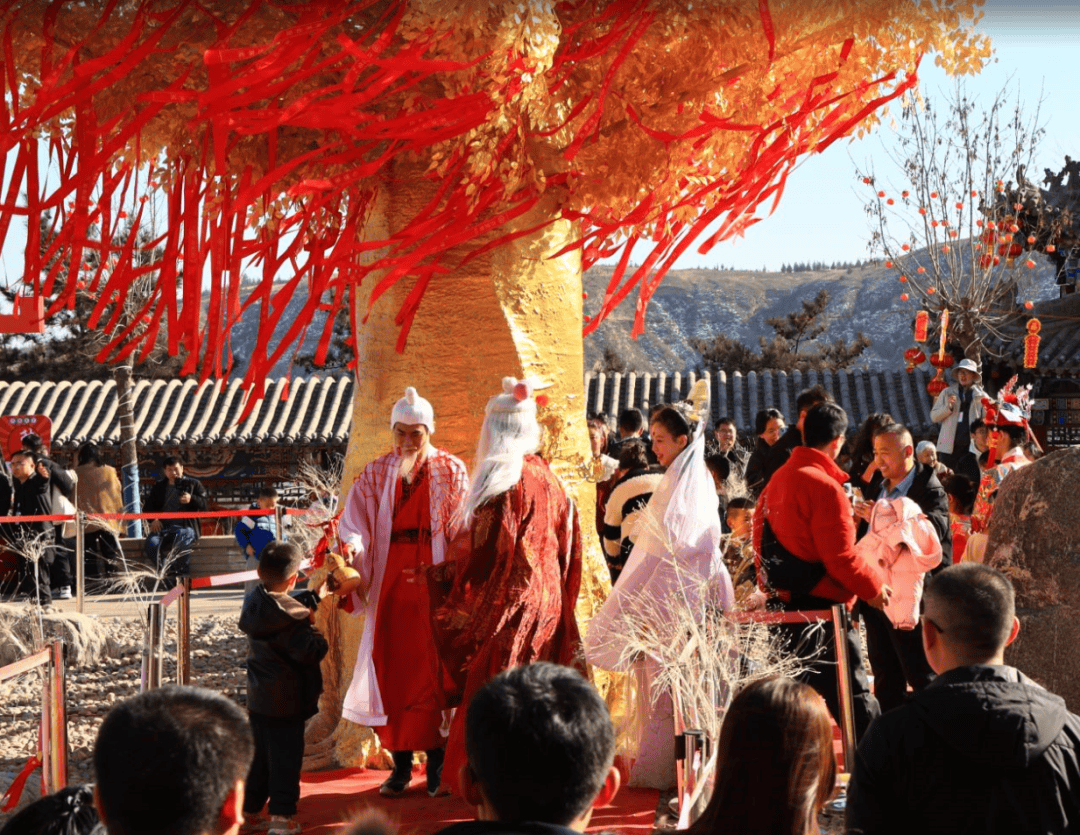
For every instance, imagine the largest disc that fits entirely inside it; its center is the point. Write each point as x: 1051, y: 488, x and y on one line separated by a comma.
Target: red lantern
x: 937, y: 385
x: 942, y: 360
x: 1031, y: 343
x: 914, y: 357
x: 922, y: 325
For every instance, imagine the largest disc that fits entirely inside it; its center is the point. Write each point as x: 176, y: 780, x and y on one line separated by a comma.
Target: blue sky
x: 821, y: 216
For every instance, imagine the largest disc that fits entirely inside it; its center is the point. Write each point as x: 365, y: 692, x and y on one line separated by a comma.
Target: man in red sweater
x: 809, y: 515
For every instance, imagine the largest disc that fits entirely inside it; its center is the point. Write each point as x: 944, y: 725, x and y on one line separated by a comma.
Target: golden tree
x: 456, y: 163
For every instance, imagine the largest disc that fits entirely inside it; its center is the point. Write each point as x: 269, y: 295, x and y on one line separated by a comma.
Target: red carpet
x: 328, y: 799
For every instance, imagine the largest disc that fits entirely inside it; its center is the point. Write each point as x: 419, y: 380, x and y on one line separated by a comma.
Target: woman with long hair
x: 675, y: 571
x: 776, y: 767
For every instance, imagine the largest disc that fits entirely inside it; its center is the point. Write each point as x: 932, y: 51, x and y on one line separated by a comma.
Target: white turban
x: 412, y: 409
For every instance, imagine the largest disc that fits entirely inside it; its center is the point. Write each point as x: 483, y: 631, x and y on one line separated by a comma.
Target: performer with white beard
x: 400, y: 514
x: 677, y: 557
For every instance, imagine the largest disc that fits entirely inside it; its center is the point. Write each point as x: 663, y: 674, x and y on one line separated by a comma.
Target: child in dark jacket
x: 284, y: 683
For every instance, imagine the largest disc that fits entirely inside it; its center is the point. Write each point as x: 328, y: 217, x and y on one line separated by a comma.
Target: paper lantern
x: 922, y: 325
x: 938, y: 384
x: 1031, y: 343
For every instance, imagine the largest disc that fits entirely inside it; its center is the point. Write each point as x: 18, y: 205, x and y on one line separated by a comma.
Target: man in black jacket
x: 896, y: 655
x: 983, y: 748
x: 33, y: 541
x: 169, y: 542
x: 541, y: 749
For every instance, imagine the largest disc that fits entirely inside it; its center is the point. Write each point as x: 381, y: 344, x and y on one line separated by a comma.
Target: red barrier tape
x: 195, y: 514
x: 237, y: 577
x: 23, y: 664
x: 809, y: 616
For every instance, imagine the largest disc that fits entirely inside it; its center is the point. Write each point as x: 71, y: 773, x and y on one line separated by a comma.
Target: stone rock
x: 1034, y: 538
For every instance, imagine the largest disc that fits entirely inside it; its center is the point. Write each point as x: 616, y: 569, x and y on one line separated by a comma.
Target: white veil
x: 677, y: 555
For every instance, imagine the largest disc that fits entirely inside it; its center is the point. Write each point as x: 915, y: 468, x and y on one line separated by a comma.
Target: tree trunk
x: 513, y: 311
x: 129, y: 454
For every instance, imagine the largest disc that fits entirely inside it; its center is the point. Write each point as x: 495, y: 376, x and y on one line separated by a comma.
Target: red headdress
x: 1012, y: 407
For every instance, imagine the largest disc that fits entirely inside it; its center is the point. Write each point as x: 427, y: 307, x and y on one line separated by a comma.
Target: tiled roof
x: 741, y: 396
x: 315, y: 411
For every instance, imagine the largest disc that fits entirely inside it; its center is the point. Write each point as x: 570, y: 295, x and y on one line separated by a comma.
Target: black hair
x: 984, y: 457
x: 961, y: 488
x: 631, y: 421
x: 811, y: 397
x: 723, y: 420
x: 633, y: 455
x: 862, y: 448
x: 33, y: 443
x: 1016, y: 434
x: 25, y: 453
x: 169, y: 460
x: 268, y: 491
x: 69, y: 811
x: 672, y: 420
x: 824, y: 423
x: 540, y: 743
x: 976, y: 607
x: 279, y: 561
x: 976, y: 425
x: 165, y: 761
x: 740, y: 503
x: 898, y: 431
x: 89, y: 454
x: 718, y: 465
x: 762, y: 418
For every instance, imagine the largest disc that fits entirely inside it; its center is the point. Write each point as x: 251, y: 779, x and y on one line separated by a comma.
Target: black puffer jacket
x: 982, y: 750
x: 284, y: 651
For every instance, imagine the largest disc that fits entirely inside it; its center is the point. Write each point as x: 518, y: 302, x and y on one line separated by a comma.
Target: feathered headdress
x: 1011, y: 407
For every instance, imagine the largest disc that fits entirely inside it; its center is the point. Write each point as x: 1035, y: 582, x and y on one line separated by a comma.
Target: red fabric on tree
x: 507, y: 597
x: 810, y: 514
x: 408, y: 680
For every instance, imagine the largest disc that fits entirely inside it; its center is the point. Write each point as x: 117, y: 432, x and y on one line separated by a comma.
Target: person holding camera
x: 284, y: 683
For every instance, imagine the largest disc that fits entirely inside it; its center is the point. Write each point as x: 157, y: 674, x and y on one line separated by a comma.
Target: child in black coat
x: 284, y: 683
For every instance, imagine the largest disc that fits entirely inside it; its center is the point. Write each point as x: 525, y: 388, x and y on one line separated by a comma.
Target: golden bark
x: 514, y: 311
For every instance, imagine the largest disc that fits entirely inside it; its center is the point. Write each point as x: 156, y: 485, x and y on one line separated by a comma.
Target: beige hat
x: 968, y: 365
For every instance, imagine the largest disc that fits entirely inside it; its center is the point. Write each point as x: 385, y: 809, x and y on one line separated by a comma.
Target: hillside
x: 702, y: 303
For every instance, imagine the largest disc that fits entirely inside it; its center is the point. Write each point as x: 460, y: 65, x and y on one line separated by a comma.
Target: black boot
x: 434, y: 772
x: 400, y: 777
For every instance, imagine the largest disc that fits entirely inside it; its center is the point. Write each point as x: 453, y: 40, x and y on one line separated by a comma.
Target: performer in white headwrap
x: 677, y: 558
x: 400, y: 514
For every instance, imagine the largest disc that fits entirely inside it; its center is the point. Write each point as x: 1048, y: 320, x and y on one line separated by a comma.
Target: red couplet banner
x: 13, y: 428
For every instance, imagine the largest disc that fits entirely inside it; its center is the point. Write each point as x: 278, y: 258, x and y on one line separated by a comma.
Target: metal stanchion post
x: 841, y: 623
x: 183, y: 634
x: 80, y: 560
x: 152, y: 654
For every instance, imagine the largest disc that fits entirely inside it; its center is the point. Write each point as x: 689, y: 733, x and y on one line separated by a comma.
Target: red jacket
x: 811, y: 516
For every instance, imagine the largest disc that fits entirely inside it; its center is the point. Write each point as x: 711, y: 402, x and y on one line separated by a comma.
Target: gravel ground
x: 217, y: 662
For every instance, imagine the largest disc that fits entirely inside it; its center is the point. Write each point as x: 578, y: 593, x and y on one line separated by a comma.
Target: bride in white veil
x: 676, y: 562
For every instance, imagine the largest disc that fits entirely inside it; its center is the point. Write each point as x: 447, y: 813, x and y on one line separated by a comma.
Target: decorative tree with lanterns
x: 947, y: 223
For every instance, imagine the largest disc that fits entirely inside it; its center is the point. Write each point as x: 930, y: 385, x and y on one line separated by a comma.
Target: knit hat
x: 968, y: 365
x: 411, y: 409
